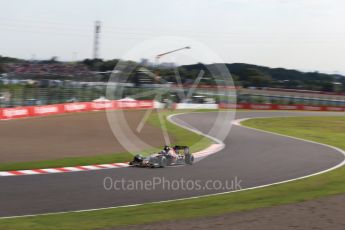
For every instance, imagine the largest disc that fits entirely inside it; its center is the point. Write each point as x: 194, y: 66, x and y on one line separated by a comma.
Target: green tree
x: 327, y: 86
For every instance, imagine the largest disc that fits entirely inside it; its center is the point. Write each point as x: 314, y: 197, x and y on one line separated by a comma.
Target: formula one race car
x: 176, y: 155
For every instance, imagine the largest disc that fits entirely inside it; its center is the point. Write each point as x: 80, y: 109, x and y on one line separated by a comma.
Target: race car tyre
x: 138, y: 158
x: 186, y: 150
x: 169, y: 160
x: 162, y: 162
x: 189, y: 159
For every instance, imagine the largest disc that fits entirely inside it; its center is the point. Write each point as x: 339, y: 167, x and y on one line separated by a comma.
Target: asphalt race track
x: 254, y: 157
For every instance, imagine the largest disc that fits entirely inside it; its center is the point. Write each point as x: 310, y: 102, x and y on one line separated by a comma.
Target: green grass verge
x: 328, y: 130
x: 330, y: 183
x: 180, y: 135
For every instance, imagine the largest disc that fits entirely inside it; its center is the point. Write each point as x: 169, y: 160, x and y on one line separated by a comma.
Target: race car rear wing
x: 181, y: 147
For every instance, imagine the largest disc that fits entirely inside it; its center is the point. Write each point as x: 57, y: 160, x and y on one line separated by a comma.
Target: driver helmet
x: 166, y: 148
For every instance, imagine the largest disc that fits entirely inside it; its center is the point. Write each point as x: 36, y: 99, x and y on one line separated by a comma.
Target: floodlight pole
x: 169, y: 52
x: 163, y: 54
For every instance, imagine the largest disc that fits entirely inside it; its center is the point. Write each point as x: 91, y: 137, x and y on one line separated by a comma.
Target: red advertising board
x: 338, y: 109
x: 144, y: 104
x: 102, y: 105
x: 47, y: 110
x: 29, y: 111
x: 281, y: 107
x: 76, y: 107
x: 18, y: 112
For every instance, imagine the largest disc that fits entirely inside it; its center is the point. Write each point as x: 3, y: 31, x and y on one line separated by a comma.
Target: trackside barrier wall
x: 34, y: 111
x: 195, y: 106
x: 281, y: 107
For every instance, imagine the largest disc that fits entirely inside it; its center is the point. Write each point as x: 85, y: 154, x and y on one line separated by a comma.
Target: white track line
x: 235, y: 122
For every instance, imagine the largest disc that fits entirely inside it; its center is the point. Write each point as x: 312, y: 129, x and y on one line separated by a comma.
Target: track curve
x: 255, y: 157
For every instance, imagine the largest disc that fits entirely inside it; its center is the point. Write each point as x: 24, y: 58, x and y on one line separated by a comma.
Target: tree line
x: 244, y: 75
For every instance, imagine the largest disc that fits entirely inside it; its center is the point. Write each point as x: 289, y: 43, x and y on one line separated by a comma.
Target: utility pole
x: 96, y: 39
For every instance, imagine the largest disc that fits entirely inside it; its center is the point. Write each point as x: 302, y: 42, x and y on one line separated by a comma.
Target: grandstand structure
x: 33, y: 69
